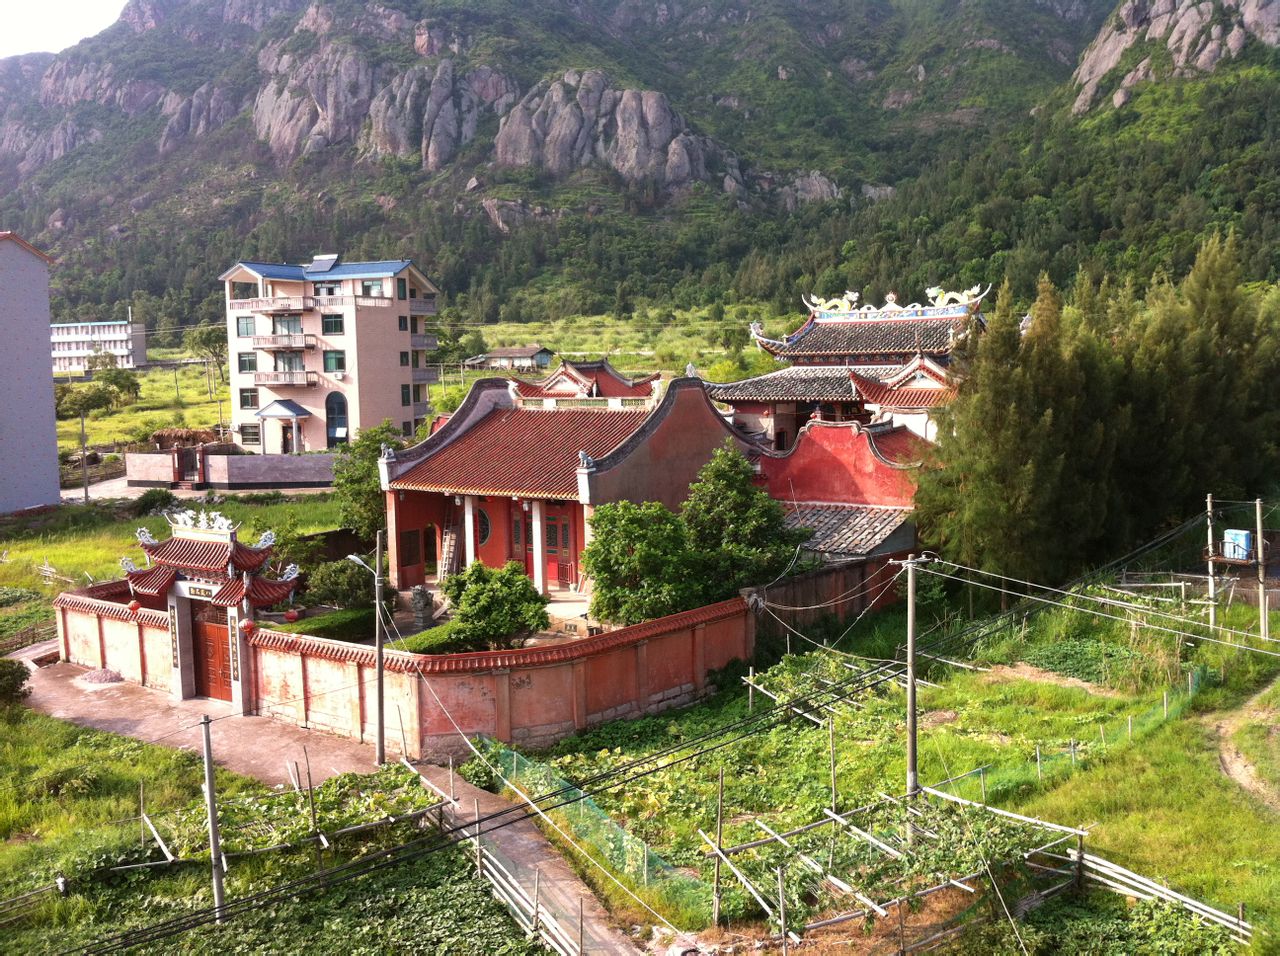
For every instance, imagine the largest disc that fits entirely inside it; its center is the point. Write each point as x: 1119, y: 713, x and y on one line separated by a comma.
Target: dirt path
x: 1234, y: 763
x: 1024, y: 671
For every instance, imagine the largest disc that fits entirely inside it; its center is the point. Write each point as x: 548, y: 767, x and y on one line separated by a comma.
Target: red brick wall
x: 834, y: 463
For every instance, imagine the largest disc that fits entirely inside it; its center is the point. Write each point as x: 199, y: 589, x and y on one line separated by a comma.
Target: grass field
x: 69, y: 804
x: 159, y: 405
x: 1158, y: 804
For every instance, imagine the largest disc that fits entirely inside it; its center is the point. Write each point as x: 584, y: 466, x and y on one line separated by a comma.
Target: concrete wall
x: 105, y: 633
x: 833, y: 462
x: 236, y: 471
x: 28, y: 431
x: 533, y: 697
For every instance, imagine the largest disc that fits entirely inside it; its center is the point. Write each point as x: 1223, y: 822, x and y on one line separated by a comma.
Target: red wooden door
x: 212, y: 643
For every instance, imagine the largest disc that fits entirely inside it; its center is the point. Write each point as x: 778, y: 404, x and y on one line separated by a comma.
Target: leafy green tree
x: 356, y: 484
x: 736, y: 532
x: 639, y: 563
x: 209, y: 342
x: 495, y: 607
x: 100, y: 358
x: 83, y: 399
x: 123, y: 382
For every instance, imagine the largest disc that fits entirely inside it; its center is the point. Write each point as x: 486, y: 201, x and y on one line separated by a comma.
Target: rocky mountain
x: 1146, y: 39
x: 193, y: 131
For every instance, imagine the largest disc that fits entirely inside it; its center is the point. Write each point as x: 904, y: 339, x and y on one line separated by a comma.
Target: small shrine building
x: 181, y: 622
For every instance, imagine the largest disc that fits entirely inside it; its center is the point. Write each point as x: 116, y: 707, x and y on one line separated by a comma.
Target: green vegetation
x: 1051, y: 437
x: 497, y: 608
x: 441, y: 639
x: 355, y: 624
x: 361, y: 503
x: 13, y: 682
x: 69, y: 804
x: 157, y: 405
x: 341, y: 584
x: 646, y: 562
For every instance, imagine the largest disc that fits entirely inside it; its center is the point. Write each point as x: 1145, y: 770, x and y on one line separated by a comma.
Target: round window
x: 482, y: 526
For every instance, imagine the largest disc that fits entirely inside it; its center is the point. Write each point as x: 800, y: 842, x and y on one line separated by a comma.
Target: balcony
x: 422, y: 306
x: 427, y: 343
x: 287, y: 341
x: 301, y: 377
x: 278, y: 303
x: 426, y: 376
x: 421, y: 409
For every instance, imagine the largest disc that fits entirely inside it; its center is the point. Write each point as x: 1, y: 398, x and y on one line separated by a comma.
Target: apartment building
x: 28, y: 430
x: 72, y: 344
x: 322, y: 350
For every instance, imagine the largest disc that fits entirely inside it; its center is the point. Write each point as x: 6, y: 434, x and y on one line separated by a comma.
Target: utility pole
x: 913, y: 783
x: 381, y: 751
x: 1213, y: 585
x: 1264, y: 622
x: 210, y: 800
x: 84, y: 457
x: 177, y: 395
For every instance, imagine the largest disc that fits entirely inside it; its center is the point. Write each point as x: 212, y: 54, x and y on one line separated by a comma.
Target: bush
x: 441, y: 639
x: 153, y: 500
x: 13, y: 682
x: 11, y: 596
x: 342, y: 584
x: 352, y: 624
x: 498, y: 608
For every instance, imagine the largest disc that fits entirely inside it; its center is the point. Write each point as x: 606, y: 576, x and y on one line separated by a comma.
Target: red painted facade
x: 845, y: 464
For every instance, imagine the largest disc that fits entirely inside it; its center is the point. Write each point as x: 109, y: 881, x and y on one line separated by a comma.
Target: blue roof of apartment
x: 343, y: 270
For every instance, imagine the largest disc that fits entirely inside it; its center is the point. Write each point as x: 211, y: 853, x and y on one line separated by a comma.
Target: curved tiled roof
x: 876, y: 336
x: 195, y: 555
x: 886, y: 395
x: 806, y: 383
x: 262, y: 592
x: 85, y: 602
x: 598, y: 379
x: 846, y: 529
x: 522, y: 451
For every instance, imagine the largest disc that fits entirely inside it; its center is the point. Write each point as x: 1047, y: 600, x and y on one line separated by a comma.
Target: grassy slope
x: 157, y: 407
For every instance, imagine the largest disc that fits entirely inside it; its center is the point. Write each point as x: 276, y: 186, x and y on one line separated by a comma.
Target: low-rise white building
x: 73, y: 343
x: 28, y: 428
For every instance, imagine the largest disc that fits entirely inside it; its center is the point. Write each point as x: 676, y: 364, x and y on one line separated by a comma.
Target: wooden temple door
x: 212, y: 644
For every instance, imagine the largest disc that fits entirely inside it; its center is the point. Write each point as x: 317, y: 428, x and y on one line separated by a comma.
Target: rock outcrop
x: 581, y: 118
x: 208, y: 108
x: 811, y: 187
x: 1197, y: 35
x: 433, y: 114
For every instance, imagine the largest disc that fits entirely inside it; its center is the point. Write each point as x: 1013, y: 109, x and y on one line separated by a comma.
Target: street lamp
x: 381, y: 749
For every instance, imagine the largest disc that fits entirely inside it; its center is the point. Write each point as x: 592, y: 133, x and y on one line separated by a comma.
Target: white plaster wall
x: 28, y: 434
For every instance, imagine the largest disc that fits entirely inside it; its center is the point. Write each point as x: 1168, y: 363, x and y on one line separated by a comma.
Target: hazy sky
x: 31, y: 26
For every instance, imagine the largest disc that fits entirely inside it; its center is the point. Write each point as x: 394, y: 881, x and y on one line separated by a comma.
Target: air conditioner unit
x: 339, y: 375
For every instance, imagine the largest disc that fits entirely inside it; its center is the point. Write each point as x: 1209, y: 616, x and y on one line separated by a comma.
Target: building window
x: 415, y: 359
x: 331, y: 324
x: 248, y: 398
x: 335, y: 361
x: 286, y: 325
x: 289, y: 362
x: 564, y: 536
x: 406, y: 428
x: 515, y: 531
x: 247, y: 361
x: 327, y: 288
x: 413, y: 325
x: 401, y: 288
x: 404, y: 358
x: 251, y: 434
x: 404, y: 323
x: 417, y: 393
x: 552, y: 534
x: 413, y: 293
x: 406, y: 399
x: 410, y: 547
x: 371, y: 287
x: 244, y: 325
x: 335, y: 418
x: 483, y: 528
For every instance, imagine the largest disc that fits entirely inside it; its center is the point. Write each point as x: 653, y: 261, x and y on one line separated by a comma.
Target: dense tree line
x: 1104, y: 418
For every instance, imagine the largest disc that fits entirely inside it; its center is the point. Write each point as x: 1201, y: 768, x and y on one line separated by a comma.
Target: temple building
x: 842, y: 353
x: 597, y: 379
x: 517, y: 470
x: 181, y: 622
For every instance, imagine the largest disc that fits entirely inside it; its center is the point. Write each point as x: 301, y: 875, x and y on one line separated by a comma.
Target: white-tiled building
x: 28, y: 429
x: 72, y: 344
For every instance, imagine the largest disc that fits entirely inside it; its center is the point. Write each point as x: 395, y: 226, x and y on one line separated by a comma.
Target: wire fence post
x: 311, y: 797
x: 751, y: 689
x: 479, y: 865
x: 581, y: 948
x: 982, y: 779
x: 1213, y: 595
x: 831, y: 743
x: 1264, y: 620
x: 1131, y: 727
x: 211, y: 806
x: 537, y: 888
x: 913, y: 784
x: 1166, y: 705
x: 1039, y: 772
x: 452, y: 796
x: 1080, y: 863
x: 715, y: 890
x: 782, y: 911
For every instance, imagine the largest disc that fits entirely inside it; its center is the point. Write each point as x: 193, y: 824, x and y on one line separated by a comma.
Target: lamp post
x: 380, y: 752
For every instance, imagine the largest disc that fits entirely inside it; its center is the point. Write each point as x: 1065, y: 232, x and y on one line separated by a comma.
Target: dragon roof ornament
x: 938, y: 298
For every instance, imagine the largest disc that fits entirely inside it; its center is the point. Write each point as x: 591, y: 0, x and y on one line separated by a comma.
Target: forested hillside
x: 579, y: 157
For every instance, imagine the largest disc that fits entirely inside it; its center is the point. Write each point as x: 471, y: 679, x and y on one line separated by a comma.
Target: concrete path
x: 255, y: 746
x: 259, y: 747
x: 119, y: 488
